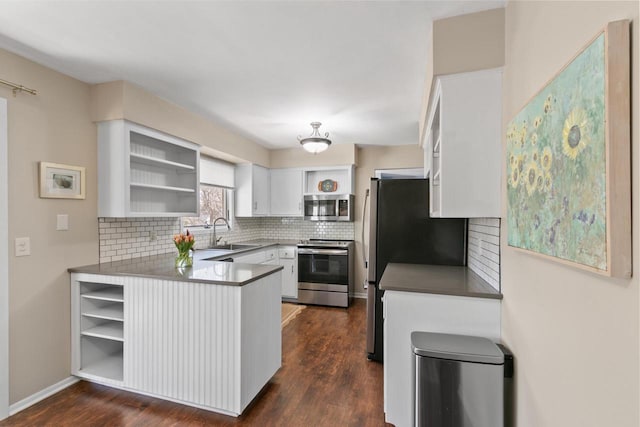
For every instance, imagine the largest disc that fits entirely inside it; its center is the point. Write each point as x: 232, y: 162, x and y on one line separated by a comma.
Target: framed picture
x: 568, y: 162
x: 59, y: 181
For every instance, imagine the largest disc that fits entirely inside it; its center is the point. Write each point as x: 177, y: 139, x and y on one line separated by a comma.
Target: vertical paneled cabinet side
x: 144, y: 173
x: 286, y: 192
x: 252, y: 190
x: 464, y: 143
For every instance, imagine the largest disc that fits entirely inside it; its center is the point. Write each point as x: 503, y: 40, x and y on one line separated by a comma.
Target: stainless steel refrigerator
x: 401, y: 231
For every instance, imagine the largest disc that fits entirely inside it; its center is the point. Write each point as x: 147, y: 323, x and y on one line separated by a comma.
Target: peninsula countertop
x: 203, y: 271
x: 436, y: 279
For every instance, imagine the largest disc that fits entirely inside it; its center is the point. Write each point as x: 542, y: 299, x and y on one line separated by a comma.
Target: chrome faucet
x: 216, y: 240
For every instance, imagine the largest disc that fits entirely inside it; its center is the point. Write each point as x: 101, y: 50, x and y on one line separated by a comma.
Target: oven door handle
x: 309, y: 251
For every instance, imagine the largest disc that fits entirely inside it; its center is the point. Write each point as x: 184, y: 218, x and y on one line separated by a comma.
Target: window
x: 216, y: 192
x: 214, y: 203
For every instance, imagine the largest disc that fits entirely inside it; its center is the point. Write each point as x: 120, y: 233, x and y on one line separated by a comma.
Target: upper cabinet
x: 334, y: 179
x: 145, y: 173
x: 286, y: 192
x: 252, y: 190
x: 463, y: 145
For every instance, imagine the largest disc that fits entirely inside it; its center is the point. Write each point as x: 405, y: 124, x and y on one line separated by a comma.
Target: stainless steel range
x: 325, y: 271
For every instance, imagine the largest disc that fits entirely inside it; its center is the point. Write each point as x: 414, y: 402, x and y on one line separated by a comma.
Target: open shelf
x: 436, y: 147
x: 109, y: 312
x: 166, y: 213
x: 110, y: 367
x: 163, y: 187
x: 109, y: 331
x: 342, y: 175
x: 159, y: 170
x: 153, y: 161
x: 112, y: 293
x: 436, y: 178
x: 98, y: 327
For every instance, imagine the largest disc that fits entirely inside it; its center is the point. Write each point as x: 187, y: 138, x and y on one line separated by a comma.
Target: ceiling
x: 265, y: 69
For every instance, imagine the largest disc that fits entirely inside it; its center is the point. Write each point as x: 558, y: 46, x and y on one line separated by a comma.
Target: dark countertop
x: 203, y: 271
x: 436, y: 279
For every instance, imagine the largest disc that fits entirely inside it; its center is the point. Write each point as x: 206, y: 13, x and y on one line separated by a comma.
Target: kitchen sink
x: 235, y: 246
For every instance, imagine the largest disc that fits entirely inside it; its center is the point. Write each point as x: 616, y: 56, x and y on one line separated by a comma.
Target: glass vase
x: 184, y: 259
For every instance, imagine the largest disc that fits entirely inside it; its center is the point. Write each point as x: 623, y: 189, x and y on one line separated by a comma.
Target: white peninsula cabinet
x: 212, y: 346
x: 463, y: 145
x: 145, y: 173
x: 286, y: 192
x: 252, y: 190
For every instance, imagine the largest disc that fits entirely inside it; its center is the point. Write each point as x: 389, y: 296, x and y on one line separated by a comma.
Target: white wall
x: 575, y: 335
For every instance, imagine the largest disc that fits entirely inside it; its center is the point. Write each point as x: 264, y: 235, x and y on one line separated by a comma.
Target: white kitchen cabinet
x: 252, y: 190
x: 144, y: 172
x: 463, y: 142
x: 405, y: 312
x: 258, y: 256
x: 286, y: 192
x: 288, y: 256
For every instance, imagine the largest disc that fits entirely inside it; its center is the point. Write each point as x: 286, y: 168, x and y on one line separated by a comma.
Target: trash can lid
x: 461, y: 348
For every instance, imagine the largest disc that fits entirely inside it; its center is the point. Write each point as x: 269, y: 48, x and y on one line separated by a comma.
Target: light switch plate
x: 62, y: 222
x: 23, y: 246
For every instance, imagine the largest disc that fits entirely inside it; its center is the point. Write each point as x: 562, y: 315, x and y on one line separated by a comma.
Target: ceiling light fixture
x: 315, y: 143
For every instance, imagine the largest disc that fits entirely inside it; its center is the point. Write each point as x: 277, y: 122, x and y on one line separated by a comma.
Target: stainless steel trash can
x: 459, y: 380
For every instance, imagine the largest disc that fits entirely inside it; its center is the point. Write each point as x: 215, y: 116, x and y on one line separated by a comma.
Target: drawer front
x: 287, y: 252
x: 271, y: 254
x: 252, y: 258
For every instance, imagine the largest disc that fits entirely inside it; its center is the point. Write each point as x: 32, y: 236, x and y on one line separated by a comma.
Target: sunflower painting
x: 556, y: 198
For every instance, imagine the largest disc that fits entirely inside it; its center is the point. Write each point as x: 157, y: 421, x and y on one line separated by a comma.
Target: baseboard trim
x: 362, y: 295
x: 41, y: 395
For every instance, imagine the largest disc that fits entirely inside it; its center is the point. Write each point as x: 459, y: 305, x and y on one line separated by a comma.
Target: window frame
x: 228, y: 204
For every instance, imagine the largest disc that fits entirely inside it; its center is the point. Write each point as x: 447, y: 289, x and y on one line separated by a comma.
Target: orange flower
x: 184, y: 242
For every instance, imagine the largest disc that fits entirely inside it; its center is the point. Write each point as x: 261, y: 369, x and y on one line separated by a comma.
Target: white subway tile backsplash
x: 125, y: 238
x: 483, y: 249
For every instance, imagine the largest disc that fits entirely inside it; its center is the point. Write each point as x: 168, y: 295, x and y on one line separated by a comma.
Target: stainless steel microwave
x: 329, y: 207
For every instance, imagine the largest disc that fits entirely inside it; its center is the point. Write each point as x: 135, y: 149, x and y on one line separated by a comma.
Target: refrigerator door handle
x: 373, y: 222
x: 364, y: 215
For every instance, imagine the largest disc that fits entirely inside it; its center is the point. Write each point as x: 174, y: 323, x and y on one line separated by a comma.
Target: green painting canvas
x: 556, y: 165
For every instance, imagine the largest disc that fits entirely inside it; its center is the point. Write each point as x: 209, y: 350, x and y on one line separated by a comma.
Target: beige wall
x: 464, y: 43
x: 371, y: 158
x: 53, y: 126
x: 118, y: 100
x: 343, y: 154
x: 574, y: 334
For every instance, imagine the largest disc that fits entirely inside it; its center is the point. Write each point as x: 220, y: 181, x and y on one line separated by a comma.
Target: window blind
x: 217, y: 172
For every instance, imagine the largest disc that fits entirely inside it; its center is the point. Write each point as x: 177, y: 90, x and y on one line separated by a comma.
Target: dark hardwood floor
x: 325, y: 380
